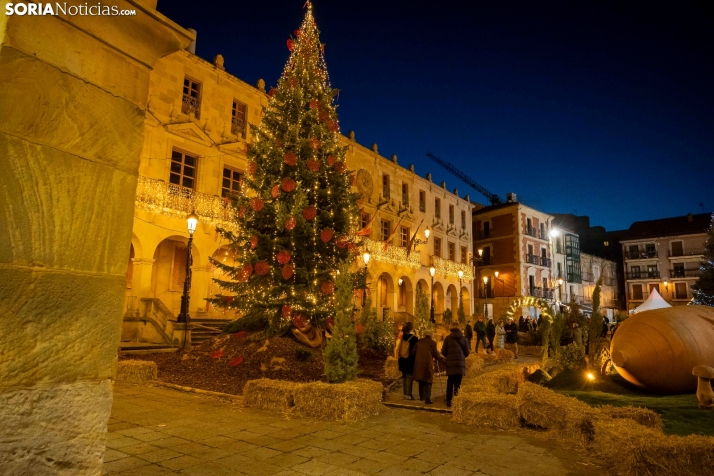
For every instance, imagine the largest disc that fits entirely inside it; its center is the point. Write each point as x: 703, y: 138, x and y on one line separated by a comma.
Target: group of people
x: 418, y: 357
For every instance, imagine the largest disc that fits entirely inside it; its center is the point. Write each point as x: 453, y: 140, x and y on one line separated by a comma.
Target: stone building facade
x: 196, y: 131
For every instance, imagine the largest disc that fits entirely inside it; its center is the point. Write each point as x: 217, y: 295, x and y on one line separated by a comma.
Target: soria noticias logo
x: 61, y: 8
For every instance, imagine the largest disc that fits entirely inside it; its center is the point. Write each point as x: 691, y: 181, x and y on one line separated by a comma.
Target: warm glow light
x: 560, y: 281
x: 461, y: 274
x: 426, y: 232
x: 485, y: 279
x: 192, y: 221
x: 665, y: 282
x: 400, y: 281
x: 432, y: 271
x: 480, y: 252
x: 495, y: 274
x: 590, y: 376
x: 554, y: 232
x: 366, y: 257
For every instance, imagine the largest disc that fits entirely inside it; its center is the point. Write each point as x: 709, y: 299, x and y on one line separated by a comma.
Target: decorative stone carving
x: 375, y: 149
x: 260, y: 84
x: 218, y: 61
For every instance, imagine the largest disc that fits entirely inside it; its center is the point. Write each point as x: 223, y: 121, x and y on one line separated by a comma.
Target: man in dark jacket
x: 490, y: 334
x: 455, y: 350
x: 425, y: 353
x: 406, y: 358
x: 480, y: 329
x: 512, y: 335
x: 469, y: 332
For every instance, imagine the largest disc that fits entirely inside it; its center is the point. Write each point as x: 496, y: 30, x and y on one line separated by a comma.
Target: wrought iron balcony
x: 238, y: 126
x: 533, y: 259
x: 692, y: 252
x: 176, y: 201
x: 641, y: 254
x: 545, y: 261
x: 482, y: 294
x: 191, y: 105
x: 545, y: 293
x: 543, y: 235
x: 531, y: 231
x: 642, y: 275
x: 685, y: 273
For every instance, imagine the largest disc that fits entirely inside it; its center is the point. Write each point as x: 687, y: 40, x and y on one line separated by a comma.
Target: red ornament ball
x: 287, y: 271
x: 323, y: 116
x: 271, y: 93
x: 216, y: 354
x: 275, y: 191
x: 326, y: 235
x: 359, y: 328
x: 340, y: 167
x: 314, y: 143
x: 245, y: 273
x: 283, y: 257
x: 299, y: 320
x: 290, y: 223
x: 236, y: 362
x: 313, y: 165
x: 298, y: 33
x: 252, y: 168
x: 314, y: 104
x: 327, y: 287
x: 256, y: 204
x: 290, y: 45
x: 288, y: 185
x: 334, y: 126
x: 309, y: 213
x: 253, y: 242
x: 290, y: 158
x: 262, y: 268
x: 330, y: 160
x: 342, y: 242
x: 286, y: 310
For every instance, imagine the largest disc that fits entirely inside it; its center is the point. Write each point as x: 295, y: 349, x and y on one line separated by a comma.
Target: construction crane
x: 492, y: 197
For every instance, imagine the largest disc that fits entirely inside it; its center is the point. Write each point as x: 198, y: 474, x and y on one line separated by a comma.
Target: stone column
x: 143, y: 268
x: 74, y: 90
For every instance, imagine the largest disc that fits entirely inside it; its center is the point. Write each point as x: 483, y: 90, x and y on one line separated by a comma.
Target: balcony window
x: 464, y: 254
x: 404, y: 236
x: 635, y: 272
x: 451, y: 214
x: 678, y: 271
x: 231, y: 182
x: 677, y: 249
x: 183, y: 169
x: 529, y: 228
x: 463, y: 219
x: 452, y: 251
x: 385, y: 230
x: 437, y: 247
x: 238, y: 118
x: 422, y: 201
x: 637, y: 292
x: 542, y: 234
x: 191, y: 103
x: 486, y: 229
x: 385, y: 186
x: 680, y: 291
x: 405, y: 194
x: 437, y: 208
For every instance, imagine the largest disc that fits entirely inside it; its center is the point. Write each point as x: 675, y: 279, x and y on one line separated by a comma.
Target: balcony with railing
x: 238, y: 126
x: 533, y: 259
x: 191, y: 105
x: 485, y: 294
x: 531, y: 231
x: 391, y: 254
x: 543, y: 235
x: 684, y: 253
x: 545, y: 293
x: 172, y: 200
x: 545, y: 261
x: 642, y: 275
x: 449, y: 268
x: 641, y: 254
x: 685, y: 273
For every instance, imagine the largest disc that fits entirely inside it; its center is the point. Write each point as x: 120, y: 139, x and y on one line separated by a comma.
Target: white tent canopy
x: 654, y: 301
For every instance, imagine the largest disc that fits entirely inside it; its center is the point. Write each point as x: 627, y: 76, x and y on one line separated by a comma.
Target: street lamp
x: 560, y: 289
x: 485, y: 293
x: 183, y: 317
x: 418, y: 242
x: 366, y: 256
x: 432, y: 272
x: 503, y: 285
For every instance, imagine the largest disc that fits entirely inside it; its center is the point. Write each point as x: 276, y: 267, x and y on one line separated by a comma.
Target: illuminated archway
x: 528, y: 301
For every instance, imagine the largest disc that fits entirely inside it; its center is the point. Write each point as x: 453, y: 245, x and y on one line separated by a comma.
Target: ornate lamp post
x: 461, y: 276
x: 485, y: 293
x: 418, y: 242
x: 432, y: 272
x: 366, y: 256
x: 183, y: 317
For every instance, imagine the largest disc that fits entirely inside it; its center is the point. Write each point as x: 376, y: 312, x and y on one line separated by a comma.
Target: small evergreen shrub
x: 571, y: 357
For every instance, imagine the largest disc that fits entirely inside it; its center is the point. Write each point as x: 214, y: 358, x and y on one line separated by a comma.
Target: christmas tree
x: 341, y: 351
x: 296, y: 211
x: 704, y: 287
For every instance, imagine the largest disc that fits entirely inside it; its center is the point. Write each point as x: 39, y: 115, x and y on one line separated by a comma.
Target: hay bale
x: 270, y: 394
x: 391, y: 368
x: 473, y: 363
x: 136, y: 371
x: 486, y: 409
x: 476, y: 386
x: 643, y: 416
x: 503, y: 380
x: 631, y: 449
x: 503, y: 356
x: 545, y: 408
x: 349, y: 401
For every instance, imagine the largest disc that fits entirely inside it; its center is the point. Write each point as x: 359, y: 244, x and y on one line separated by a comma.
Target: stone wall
x: 71, y: 131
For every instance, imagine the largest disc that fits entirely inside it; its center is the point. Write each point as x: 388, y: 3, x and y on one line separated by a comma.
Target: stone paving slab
x: 159, y: 431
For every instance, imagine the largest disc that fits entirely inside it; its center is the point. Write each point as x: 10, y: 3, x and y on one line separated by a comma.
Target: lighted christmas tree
x: 704, y: 287
x: 296, y: 211
x: 341, y: 351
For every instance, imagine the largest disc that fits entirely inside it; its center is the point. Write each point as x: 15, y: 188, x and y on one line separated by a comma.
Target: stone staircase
x: 205, y: 329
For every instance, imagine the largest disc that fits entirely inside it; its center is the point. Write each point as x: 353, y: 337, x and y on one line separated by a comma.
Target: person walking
x: 512, y: 335
x: 469, y: 332
x: 480, y: 329
x: 490, y: 334
x: 500, y: 335
x: 406, y: 358
x: 425, y: 353
x: 455, y: 349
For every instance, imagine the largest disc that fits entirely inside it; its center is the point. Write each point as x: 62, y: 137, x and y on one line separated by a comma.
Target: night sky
x: 593, y: 108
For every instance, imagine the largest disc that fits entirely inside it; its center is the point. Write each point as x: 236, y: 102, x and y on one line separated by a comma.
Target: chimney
x: 191, y: 48
x: 511, y: 198
x: 690, y: 217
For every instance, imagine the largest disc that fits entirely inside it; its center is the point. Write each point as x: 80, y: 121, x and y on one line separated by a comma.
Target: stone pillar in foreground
x: 72, y: 99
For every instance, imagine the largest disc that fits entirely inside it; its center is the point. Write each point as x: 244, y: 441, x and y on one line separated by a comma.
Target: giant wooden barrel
x: 657, y: 349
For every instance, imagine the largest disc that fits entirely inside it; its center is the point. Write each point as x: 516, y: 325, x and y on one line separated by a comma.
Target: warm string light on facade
x: 451, y: 269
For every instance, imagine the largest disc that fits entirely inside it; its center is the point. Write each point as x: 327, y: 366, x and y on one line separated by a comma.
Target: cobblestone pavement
x: 157, y: 431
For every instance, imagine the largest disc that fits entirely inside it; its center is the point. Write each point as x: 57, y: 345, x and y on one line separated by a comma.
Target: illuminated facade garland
x: 392, y: 254
x: 176, y: 201
x: 448, y: 268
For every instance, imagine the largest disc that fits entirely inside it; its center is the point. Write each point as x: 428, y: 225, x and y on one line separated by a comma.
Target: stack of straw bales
x: 643, y: 416
x: 270, y: 394
x: 504, y: 356
x: 391, y: 368
x: 485, y: 408
x: 136, y: 371
x: 349, y: 401
x: 473, y: 363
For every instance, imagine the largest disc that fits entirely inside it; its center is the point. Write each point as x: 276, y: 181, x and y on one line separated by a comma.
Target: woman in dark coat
x: 425, y: 352
x: 406, y: 358
x: 490, y: 334
x: 455, y: 350
x: 512, y: 335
